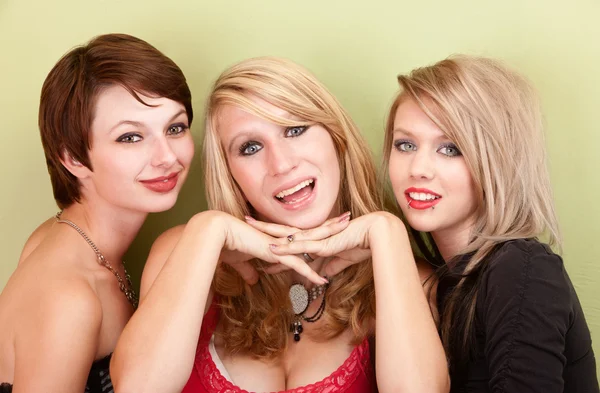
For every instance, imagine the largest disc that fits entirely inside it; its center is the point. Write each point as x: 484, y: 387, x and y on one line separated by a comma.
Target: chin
x: 303, y: 221
x: 422, y: 225
x: 160, y: 206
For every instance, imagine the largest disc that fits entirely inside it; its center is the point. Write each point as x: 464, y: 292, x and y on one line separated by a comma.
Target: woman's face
x: 140, y: 154
x: 430, y: 178
x: 290, y: 175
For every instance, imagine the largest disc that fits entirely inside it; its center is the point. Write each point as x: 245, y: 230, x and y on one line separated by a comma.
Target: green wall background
x: 355, y: 47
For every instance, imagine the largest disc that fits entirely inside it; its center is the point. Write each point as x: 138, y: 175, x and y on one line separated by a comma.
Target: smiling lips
x: 297, y: 196
x: 162, y: 184
x: 421, y: 198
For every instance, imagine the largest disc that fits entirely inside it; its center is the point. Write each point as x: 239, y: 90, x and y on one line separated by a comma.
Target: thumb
x: 337, y: 265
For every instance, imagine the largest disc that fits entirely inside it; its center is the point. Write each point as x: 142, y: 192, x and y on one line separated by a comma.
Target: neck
x: 451, y: 242
x: 112, y: 230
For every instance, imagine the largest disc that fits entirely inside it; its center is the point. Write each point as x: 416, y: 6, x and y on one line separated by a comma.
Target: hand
x: 350, y: 246
x: 317, y: 236
x: 243, y: 242
x: 284, y: 233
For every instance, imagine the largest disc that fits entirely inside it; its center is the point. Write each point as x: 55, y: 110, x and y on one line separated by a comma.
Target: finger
x: 301, y: 268
x: 274, y: 269
x: 275, y: 230
x: 323, y: 231
x: 337, y: 265
x: 246, y: 271
x: 282, y: 231
x: 355, y: 254
x: 342, y: 261
x: 312, y: 247
x: 256, y: 243
x: 278, y: 268
x: 335, y: 219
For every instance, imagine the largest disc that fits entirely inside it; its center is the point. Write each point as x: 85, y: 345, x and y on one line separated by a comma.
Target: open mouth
x: 423, y: 196
x: 421, y: 199
x: 296, y: 194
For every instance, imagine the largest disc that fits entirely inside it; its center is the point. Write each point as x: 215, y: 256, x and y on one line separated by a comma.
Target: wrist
x: 210, y: 225
x: 386, y: 226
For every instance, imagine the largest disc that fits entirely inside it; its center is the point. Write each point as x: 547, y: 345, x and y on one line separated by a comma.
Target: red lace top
x: 356, y: 375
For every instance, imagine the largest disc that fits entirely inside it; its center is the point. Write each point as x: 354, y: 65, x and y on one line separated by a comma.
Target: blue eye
x: 404, y: 146
x: 295, y: 131
x: 449, y: 150
x: 176, y: 129
x: 129, y: 138
x: 249, y: 148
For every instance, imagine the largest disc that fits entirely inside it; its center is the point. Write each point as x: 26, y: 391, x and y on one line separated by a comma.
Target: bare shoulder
x: 75, y: 297
x: 62, y: 306
x: 58, y: 335
x: 159, y: 253
x: 36, y: 238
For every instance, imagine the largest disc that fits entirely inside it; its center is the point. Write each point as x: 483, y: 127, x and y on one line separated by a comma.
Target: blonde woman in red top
x: 283, y: 163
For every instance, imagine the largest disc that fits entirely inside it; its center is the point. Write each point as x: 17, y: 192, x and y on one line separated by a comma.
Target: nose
x: 163, y: 155
x: 421, y: 166
x: 281, y: 158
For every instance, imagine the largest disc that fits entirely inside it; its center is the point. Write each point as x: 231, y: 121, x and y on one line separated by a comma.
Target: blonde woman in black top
x: 467, y: 162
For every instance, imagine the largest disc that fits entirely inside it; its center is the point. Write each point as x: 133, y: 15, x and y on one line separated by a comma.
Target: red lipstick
x: 421, y: 204
x: 162, y: 184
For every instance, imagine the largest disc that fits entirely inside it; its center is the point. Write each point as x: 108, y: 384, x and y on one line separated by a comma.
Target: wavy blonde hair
x: 256, y: 318
x: 494, y: 117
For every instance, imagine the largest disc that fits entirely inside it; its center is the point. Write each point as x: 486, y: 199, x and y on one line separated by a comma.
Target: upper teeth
x: 421, y: 196
x: 292, y: 190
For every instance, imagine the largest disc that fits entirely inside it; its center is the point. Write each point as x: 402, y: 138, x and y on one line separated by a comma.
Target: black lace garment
x: 98, y: 380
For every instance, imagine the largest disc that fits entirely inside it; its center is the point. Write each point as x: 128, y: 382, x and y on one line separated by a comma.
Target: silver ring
x: 307, y: 257
x: 290, y: 238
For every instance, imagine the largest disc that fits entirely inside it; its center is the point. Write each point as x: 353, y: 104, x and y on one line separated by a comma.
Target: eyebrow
x: 403, y: 131
x: 140, y: 124
x: 410, y: 134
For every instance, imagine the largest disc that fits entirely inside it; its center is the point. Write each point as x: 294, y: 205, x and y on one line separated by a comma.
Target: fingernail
x: 273, y: 246
x: 344, y: 218
x: 248, y: 218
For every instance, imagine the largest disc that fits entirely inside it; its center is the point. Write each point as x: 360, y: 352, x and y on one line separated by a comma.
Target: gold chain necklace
x: 124, y: 285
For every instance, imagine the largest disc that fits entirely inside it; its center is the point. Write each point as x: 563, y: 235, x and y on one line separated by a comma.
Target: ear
x: 76, y: 168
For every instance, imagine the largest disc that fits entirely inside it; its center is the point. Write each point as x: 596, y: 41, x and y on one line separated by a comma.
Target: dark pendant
x: 297, y: 329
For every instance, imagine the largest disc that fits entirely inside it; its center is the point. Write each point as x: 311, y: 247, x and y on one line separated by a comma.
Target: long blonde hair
x: 494, y: 117
x: 256, y: 318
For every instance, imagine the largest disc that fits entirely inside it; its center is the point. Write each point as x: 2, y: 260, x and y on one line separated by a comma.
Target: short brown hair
x: 70, y: 90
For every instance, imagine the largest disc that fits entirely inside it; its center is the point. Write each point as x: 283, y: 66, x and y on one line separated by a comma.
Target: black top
x: 98, y: 380
x: 531, y: 334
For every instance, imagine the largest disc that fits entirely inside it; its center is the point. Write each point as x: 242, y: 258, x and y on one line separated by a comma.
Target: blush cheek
x: 395, y: 180
x: 187, y: 151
